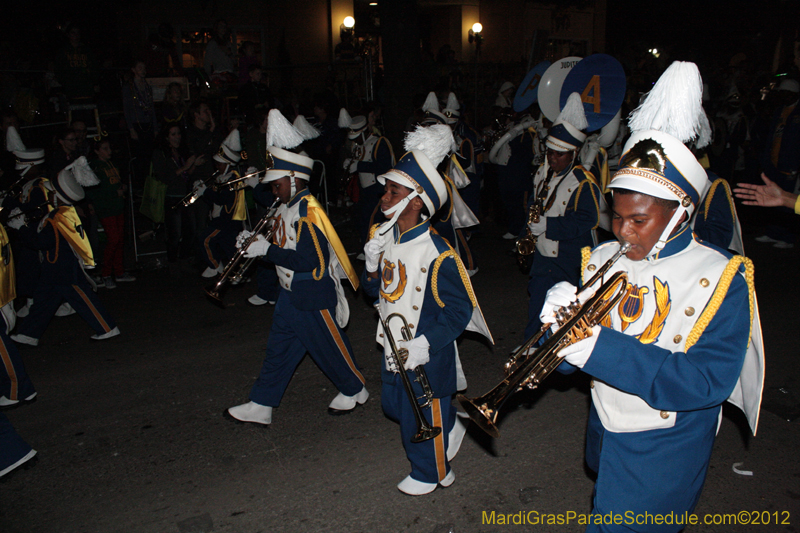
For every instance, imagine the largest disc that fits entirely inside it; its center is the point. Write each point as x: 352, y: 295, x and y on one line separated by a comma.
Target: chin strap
x: 662, y: 240
x: 395, y: 212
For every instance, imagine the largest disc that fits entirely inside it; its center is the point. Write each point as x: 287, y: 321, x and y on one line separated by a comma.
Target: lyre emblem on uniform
x: 279, y: 237
x: 79, y: 230
x: 632, y: 304
x: 387, y: 275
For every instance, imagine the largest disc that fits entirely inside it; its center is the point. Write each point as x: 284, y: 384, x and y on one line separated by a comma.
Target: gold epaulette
x: 731, y: 269
x: 461, y: 271
x: 372, y: 231
x: 317, y: 272
x: 586, y: 254
x: 589, y: 179
x: 710, y: 196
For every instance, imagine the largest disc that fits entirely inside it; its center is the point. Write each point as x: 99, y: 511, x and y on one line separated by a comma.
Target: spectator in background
x: 82, y: 147
x: 162, y: 55
x: 173, y: 108
x: 76, y: 68
x: 174, y: 166
x: 220, y: 58
x: 247, y: 58
x: 63, y: 153
x: 140, y: 116
x: 108, y: 203
x: 254, y: 95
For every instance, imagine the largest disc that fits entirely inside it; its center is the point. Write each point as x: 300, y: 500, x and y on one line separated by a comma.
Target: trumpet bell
x: 480, y: 413
x: 426, y: 434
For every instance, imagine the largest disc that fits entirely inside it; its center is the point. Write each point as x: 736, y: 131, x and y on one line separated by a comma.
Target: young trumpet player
x: 311, y: 309
x: 412, y: 271
x: 684, y: 338
x: 228, y: 207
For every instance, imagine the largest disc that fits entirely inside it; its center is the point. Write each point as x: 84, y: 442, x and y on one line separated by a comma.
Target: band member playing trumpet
x: 228, y: 210
x: 569, y: 201
x: 311, y: 307
x: 415, y: 273
x: 679, y: 343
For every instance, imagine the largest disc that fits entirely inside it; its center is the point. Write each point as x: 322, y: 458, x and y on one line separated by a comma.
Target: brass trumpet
x: 235, y: 270
x: 234, y: 183
x: 398, y: 358
x: 529, y: 369
x: 193, y: 196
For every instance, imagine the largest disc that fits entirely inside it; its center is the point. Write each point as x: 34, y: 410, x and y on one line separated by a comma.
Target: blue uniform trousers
x: 48, y: 297
x: 267, y: 280
x: 218, y: 246
x: 428, y: 458
x: 12, y: 447
x: 295, y: 332
x: 14, y: 381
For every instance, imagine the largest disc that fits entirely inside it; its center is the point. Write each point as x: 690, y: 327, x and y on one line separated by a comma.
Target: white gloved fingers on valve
x: 586, y: 293
x: 251, y: 170
x: 577, y: 354
x: 353, y: 167
x: 242, y: 237
x: 560, y: 295
x: 16, y: 219
x: 537, y: 228
x: 252, y: 181
x: 418, y: 352
x: 259, y: 247
x: 197, y: 183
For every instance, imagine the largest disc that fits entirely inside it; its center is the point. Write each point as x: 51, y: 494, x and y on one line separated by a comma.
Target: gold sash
x: 67, y: 222
x: 318, y: 217
x: 8, y: 283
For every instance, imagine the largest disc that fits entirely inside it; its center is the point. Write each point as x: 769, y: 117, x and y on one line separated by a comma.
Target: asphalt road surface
x: 131, y: 436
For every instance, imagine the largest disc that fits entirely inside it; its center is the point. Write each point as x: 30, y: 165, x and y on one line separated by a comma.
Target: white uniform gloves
x: 15, y: 219
x: 253, y: 180
x: 561, y: 295
x: 537, y: 228
x: 257, y: 248
x: 372, y: 252
x: 199, y: 187
x: 418, y: 352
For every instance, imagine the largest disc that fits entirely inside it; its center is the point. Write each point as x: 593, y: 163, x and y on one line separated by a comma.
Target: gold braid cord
x: 58, y: 240
x: 321, y: 269
x: 586, y: 254
x: 588, y: 181
x: 710, y: 196
x: 462, y: 272
x: 372, y: 231
x: 730, y: 271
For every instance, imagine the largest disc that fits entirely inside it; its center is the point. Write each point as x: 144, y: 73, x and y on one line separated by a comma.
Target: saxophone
x: 527, y: 245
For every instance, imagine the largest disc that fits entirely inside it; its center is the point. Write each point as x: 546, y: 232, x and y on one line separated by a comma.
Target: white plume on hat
x: 84, y: 175
x: 14, y: 141
x: 675, y: 106
x: 344, y: 118
x: 281, y: 133
x: 573, y: 113
x: 435, y: 141
x: 305, y: 129
x: 452, y: 103
x: 431, y: 103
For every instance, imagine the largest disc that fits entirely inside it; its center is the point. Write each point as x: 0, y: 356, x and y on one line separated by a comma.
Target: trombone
x: 235, y: 270
x: 529, y: 369
x: 233, y: 183
x: 397, y: 357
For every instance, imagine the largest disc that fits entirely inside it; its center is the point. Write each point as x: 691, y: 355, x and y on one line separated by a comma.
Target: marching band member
x: 311, y: 308
x: 569, y: 200
x: 372, y: 156
x: 679, y: 343
x: 414, y: 272
x: 229, y: 208
x: 65, y: 251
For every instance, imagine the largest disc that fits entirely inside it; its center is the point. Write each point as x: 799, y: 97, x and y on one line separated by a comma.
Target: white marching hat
x: 230, y: 151
x: 453, y: 109
x: 357, y: 125
x: 69, y: 183
x: 566, y: 134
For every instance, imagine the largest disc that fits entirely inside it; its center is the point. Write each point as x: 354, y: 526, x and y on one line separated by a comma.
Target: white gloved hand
x: 14, y: 221
x: 199, y: 187
x: 346, y: 163
x: 418, y: 352
x: 258, y: 247
x: 537, y: 228
x: 577, y: 354
x: 243, y: 236
x: 353, y: 167
x: 372, y: 253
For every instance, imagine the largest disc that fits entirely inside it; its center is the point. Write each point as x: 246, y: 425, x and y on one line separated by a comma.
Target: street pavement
x: 131, y: 436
